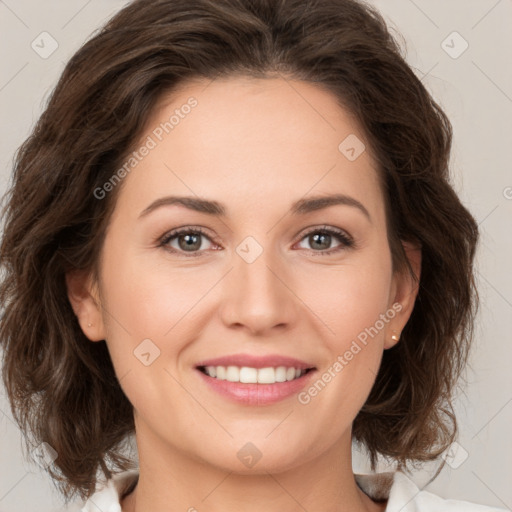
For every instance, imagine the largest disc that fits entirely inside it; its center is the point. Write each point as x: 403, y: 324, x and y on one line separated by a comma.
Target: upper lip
x: 252, y: 361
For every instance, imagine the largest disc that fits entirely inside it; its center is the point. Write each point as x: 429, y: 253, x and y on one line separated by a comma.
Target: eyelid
x: 345, y: 239
x: 327, y: 229
x: 166, y: 238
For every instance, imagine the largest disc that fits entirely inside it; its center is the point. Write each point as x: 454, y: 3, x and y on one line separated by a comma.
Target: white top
x: 401, y: 492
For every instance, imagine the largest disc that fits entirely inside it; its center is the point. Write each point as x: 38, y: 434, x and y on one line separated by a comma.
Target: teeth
x: 249, y: 375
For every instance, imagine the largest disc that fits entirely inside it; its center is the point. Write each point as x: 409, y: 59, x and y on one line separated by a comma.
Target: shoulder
x: 403, y: 495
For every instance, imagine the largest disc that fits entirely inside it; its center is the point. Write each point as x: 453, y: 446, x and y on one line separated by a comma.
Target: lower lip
x: 256, y: 394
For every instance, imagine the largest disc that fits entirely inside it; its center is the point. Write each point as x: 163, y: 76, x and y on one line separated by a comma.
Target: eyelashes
x: 194, y: 231
x: 192, y: 237
x: 346, y: 241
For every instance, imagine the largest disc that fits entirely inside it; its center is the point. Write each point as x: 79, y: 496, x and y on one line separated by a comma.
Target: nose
x: 258, y: 296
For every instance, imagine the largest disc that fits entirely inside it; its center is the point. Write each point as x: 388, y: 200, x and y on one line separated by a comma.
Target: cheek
x: 146, y: 312
x: 351, y: 303
x: 347, y: 298
x: 156, y: 308
x: 352, y: 309
x: 150, y: 298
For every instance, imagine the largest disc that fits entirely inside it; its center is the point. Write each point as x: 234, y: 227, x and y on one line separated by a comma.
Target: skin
x: 256, y: 146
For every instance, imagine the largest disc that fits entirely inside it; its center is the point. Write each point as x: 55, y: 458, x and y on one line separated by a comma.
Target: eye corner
x: 346, y: 241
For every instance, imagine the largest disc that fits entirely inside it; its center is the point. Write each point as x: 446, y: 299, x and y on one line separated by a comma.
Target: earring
x: 89, y: 325
x: 395, y: 337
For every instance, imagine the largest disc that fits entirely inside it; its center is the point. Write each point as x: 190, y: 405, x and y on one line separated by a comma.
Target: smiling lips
x: 255, y: 380
x: 271, y: 360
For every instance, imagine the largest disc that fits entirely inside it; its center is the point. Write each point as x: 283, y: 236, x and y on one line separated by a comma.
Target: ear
x: 403, y: 295
x: 84, y: 298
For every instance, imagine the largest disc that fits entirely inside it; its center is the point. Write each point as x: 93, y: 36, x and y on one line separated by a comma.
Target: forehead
x: 272, y: 141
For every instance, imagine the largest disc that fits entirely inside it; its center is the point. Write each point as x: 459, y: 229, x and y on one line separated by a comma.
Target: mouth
x: 255, y: 380
x: 251, y: 375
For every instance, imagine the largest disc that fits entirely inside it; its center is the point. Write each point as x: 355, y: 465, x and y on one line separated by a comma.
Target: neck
x: 170, y: 480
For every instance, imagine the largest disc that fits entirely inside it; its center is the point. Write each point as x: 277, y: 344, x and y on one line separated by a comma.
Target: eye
x: 188, y: 241
x: 185, y: 240
x: 320, y: 240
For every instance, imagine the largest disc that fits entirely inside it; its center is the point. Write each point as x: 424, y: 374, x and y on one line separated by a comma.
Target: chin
x: 258, y: 456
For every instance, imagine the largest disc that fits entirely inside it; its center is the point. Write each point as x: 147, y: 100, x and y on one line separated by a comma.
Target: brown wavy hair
x: 62, y: 388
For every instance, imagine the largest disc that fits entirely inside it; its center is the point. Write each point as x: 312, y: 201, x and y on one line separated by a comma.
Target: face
x: 252, y: 270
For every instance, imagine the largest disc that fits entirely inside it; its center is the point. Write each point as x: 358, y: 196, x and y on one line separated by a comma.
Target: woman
x: 232, y: 234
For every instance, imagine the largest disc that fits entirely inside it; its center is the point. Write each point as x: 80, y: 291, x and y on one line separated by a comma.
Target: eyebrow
x: 300, y: 207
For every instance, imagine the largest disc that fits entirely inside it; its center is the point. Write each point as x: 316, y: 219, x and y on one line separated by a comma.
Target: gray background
x: 475, y: 89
